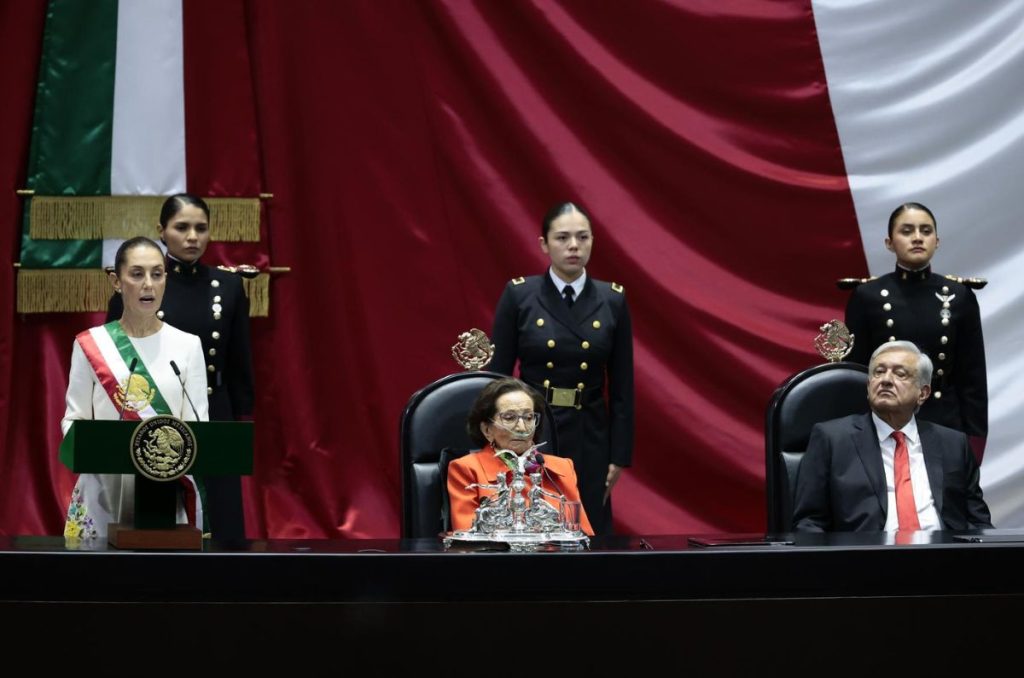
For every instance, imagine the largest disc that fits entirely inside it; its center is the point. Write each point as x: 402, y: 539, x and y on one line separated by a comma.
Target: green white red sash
x: 110, y: 353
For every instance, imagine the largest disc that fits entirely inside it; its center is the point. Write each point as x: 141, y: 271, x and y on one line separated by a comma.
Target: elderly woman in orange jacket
x: 505, y: 418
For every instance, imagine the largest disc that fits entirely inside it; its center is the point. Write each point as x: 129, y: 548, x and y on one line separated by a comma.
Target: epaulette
x: 973, y: 283
x: 518, y: 281
x: 616, y: 287
x: 850, y: 283
x: 244, y: 270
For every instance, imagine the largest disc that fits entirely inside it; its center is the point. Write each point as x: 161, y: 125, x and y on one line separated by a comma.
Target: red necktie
x: 906, y: 509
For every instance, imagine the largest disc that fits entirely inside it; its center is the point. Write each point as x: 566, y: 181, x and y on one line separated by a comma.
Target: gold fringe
x: 119, y: 217
x: 74, y: 290
x: 235, y: 219
x: 258, y: 289
x: 63, y: 290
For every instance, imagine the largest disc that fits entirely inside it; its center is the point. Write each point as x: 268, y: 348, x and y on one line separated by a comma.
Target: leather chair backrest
x: 815, y: 395
x: 434, y: 421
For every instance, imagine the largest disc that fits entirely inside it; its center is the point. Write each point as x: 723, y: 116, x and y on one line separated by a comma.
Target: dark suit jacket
x: 840, y: 486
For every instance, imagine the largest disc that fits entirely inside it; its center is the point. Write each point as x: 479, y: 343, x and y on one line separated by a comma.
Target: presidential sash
x: 110, y: 353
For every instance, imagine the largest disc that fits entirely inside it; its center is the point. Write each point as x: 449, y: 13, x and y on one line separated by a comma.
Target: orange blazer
x: 483, y: 467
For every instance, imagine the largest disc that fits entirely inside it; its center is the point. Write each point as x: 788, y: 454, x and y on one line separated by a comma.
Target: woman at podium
x: 132, y: 368
x: 210, y: 303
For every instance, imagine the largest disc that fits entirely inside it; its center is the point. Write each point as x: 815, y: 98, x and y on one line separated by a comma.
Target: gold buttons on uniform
x: 216, y: 316
x: 944, y: 340
x: 209, y: 390
x: 551, y: 366
x: 945, y: 321
x: 215, y: 335
x: 885, y: 293
x: 213, y: 351
x: 547, y: 383
x: 945, y: 289
x: 942, y: 356
x: 540, y: 322
x: 889, y: 322
x: 211, y: 368
x: 583, y: 366
x: 551, y: 343
x: 597, y: 324
x: 938, y: 394
x: 887, y: 306
x: 216, y: 299
x: 585, y: 345
x: 892, y: 338
x: 581, y: 386
x: 214, y: 283
x: 939, y: 372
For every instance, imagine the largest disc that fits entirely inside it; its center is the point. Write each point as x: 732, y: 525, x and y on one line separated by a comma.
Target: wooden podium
x: 222, y: 448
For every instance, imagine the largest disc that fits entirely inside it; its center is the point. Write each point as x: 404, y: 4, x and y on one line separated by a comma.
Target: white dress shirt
x: 927, y: 516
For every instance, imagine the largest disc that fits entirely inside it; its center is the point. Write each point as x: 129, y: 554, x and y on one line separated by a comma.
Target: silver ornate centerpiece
x: 516, y: 513
x: 835, y: 341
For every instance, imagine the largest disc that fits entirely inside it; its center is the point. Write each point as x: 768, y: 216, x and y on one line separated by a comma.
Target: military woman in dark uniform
x: 210, y: 303
x: 939, y: 313
x: 573, y: 339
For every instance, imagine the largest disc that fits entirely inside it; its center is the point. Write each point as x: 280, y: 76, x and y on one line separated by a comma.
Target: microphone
x: 539, y: 458
x: 127, y: 385
x: 177, y: 373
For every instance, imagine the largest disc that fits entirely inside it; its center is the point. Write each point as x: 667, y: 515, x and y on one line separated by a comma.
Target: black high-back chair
x: 815, y: 395
x: 432, y: 433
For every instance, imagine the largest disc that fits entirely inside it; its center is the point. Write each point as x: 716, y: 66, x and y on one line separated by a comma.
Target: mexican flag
x: 116, y: 129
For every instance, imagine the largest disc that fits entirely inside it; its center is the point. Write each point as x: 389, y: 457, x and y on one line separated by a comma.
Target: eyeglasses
x: 509, y: 419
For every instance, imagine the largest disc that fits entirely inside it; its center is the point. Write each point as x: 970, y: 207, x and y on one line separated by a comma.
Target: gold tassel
x: 63, y: 290
x: 258, y: 289
x: 75, y: 290
x: 235, y: 219
x: 119, y: 217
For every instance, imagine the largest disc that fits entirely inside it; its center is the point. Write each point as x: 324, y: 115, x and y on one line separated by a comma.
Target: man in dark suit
x: 887, y: 470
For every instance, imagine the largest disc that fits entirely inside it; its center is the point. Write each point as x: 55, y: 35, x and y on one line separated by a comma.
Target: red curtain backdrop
x: 411, y: 148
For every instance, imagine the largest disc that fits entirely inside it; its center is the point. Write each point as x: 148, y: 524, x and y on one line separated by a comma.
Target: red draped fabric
x: 411, y: 148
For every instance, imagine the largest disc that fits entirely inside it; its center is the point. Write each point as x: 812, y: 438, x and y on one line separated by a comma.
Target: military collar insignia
x: 905, y: 274
x: 180, y: 267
